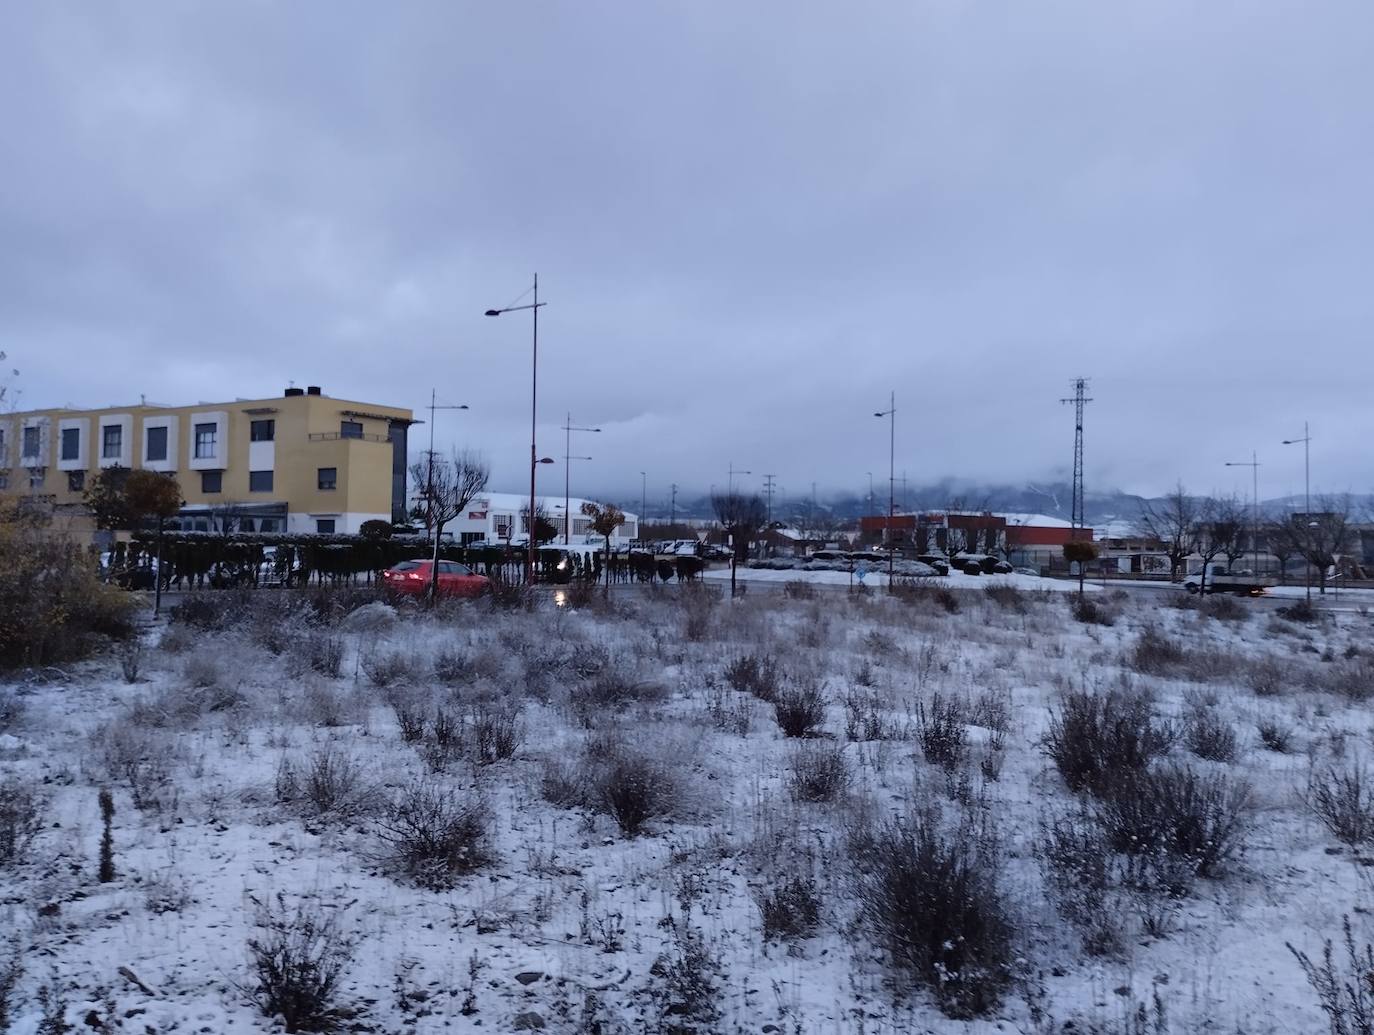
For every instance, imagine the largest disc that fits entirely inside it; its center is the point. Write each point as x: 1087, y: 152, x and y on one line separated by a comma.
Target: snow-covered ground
x: 219, y: 759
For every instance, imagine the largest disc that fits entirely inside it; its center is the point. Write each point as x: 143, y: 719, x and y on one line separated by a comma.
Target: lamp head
x: 493, y: 312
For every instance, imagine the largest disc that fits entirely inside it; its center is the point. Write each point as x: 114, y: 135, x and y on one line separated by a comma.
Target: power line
x: 1079, y: 400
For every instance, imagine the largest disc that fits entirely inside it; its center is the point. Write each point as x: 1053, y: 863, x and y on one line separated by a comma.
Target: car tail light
x: 413, y: 576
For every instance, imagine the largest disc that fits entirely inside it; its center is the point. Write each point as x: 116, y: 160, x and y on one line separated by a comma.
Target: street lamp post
x: 434, y: 404
x: 535, y: 460
x: 1306, y: 441
x: 891, y: 414
x: 1254, y: 466
x: 568, y: 458
x: 643, y: 503
x: 730, y: 478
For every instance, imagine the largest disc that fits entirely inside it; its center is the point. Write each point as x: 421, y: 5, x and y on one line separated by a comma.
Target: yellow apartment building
x: 302, y: 462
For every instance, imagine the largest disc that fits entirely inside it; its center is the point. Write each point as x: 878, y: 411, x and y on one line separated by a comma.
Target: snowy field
x: 590, y: 820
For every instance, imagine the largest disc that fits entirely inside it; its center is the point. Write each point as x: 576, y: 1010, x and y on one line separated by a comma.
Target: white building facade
x: 499, y: 517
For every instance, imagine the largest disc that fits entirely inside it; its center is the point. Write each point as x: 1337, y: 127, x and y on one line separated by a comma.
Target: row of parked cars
x: 926, y: 564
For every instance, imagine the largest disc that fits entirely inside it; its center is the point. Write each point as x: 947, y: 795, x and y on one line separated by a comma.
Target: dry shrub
x: 799, y: 710
x: 23, y: 813
x: 1268, y: 676
x: 866, y: 719
x: 1006, y: 596
x: 1154, y: 653
x: 452, y: 666
x: 436, y: 835
x: 1275, y: 736
x: 1224, y: 609
x: 932, y: 899
x: 924, y: 592
x: 817, y: 772
x: 797, y: 589
x: 1352, y: 678
x: 698, y: 610
x: 12, y: 709
x: 297, y: 959
x: 1344, y: 802
x: 729, y: 711
x: 1346, y: 994
x: 201, y: 670
x: 941, y: 731
x: 497, y: 731
x: 329, y: 784
x: 612, y: 690
x: 1078, y: 867
x: 630, y: 785
x: 1176, y: 814
x: 53, y: 608
x: 756, y: 674
x: 790, y: 911
x: 385, y: 670
x: 1209, y: 736
x: 1089, y: 612
x: 1095, y: 737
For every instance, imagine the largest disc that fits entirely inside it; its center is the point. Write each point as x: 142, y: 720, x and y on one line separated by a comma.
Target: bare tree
x: 1326, y: 534
x: 1230, y: 528
x: 1281, y: 539
x: 447, y: 487
x: 1204, y: 538
x: 742, y: 517
x: 1171, y: 522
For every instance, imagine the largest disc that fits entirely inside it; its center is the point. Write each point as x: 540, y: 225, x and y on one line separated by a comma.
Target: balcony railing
x: 331, y: 436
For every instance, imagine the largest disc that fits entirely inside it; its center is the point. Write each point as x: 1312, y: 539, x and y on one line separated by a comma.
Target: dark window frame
x: 255, y: 479
x: 36, y: 431
x: 350, y: 429
x: 209, y: 479
x: 321, y: 522
x: 75, y: 437
x: 210, y: 432
x: 148, y: 443
x: 329, y: 483
x: 76, y: 481
x: 258, y: 433
x: 105, y: 453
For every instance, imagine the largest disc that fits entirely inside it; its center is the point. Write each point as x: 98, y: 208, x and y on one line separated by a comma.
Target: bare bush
x: 436, y: 836
x: 328, y: 784
x: 629, y: 785
x: 757, y: 674
x: 1275, y: 736
x: 799, y: 710
x: 410, y: 716
x: 933, y: 901
x: 385, y: 670
x: 201, y: 671
x: 1076, y: 861
x: 1175, y: 814
x: 11, y: 970
x: 1346, y: 993
x: 1154, y: 653
x: 131, y: 660
x: 1090, y: 612
x: 12, y: 709
x: 798, y: 589
x: 1344, y: 802
x: 688, y: 992
x: 611, y: 690
x: 942, y: 733
x: 1267, y: 676
x: 817, y: 772
x: 791, y: 910
x: 1352, y: 678
x: 23, y: 812
x: 729, y: 711
x: 452, y: 666
x: 325, y: 653
x: 297, y: 959
x: 1224, y: 609
x: 497, y: 731
x: 1096, y: 736
x: 443, y: 740
x: 563, y: 783
x: 1007, y: 596
x: 924, y: 591
x: 1209, y: 736
x: 698, y: 611
x: 866, y: 719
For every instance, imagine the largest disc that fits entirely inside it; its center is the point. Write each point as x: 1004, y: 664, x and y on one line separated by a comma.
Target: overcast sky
x: 751, y: 221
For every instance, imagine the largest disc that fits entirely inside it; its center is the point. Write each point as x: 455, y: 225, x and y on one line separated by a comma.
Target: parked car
x: 412, y: 578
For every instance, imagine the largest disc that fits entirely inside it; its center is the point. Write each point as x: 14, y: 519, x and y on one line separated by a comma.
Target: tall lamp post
x: 535, y: 459
x: 568, y: 458
x: 434, y: 404
x: 730, y: 478
x: 891, y: 414
x: 643, y: 503
x: 1253, y: 464
x: 1306, y: 441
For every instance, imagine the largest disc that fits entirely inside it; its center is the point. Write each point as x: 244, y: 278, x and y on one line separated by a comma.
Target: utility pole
x: 730, y: 478
x: 1307, y: 521
x: 1079, y: 400
x: 643, y: 496
x: 891, y: 414
x: 568, y: 458
x: 1254, y: 466
x: 768, y: 480
x: 672, y: 513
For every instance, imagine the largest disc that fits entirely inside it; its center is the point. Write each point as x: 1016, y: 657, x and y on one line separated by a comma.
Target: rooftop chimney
x: 313, y: 390
x: 293, y: 392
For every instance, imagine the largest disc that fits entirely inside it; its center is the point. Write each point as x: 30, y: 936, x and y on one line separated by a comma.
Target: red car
x: 412, y: 578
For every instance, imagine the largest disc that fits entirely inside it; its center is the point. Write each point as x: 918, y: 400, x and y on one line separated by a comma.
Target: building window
x: 245, y: 524
x: 267, y: 525
x: 329, y: 479
x: 205, y: 441
x: 33, y: 441
x: 350, y: 429
x: 36, y: 479
x: 76, y: 481
x: 259, y: 481
x: 71, y: 443
x: 211, y: 481
x: 157, y: 444
x: 262, y: 431
x: 4, y: 479
x: 324, y: 526
x: 111, y: 441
